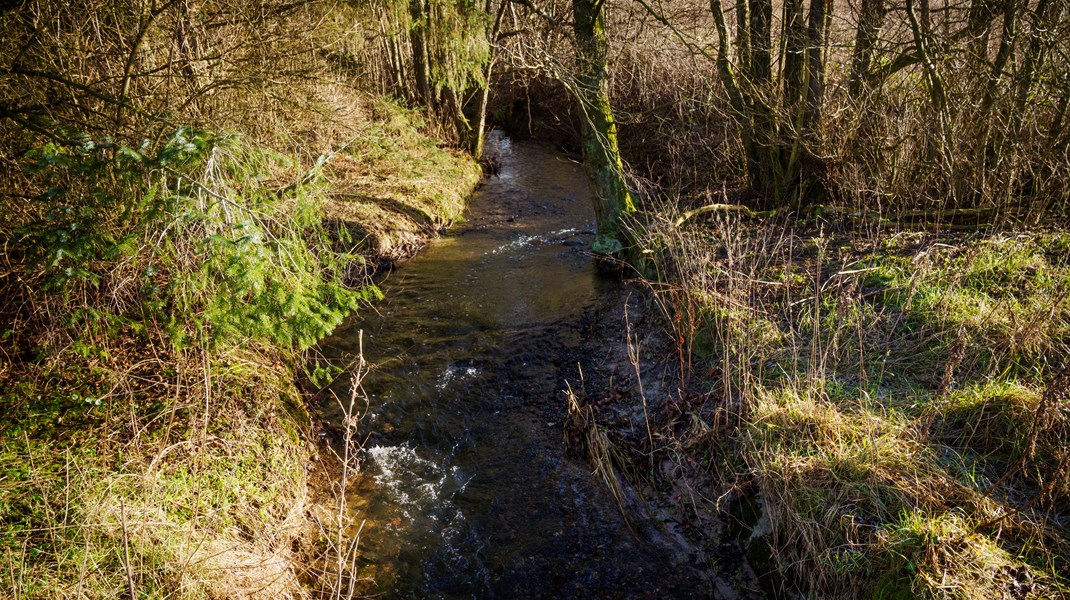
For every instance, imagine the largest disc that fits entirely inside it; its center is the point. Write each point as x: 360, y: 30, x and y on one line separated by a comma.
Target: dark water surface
x: 465, y: 489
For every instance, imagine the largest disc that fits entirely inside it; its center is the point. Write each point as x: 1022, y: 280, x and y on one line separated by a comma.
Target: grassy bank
x: 155, y: 443
x: 394, y: 187
x: 194, y: 194
x: 890, y: 405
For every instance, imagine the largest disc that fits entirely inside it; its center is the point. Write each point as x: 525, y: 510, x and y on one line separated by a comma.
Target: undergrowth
x: 158, y: 299
x: 897, y: 401
x: 194, y: 194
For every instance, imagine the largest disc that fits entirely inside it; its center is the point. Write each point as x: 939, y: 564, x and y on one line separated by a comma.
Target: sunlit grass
x: 890, y: 401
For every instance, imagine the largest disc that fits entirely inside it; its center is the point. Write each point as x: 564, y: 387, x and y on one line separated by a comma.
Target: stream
x: 465, y: 490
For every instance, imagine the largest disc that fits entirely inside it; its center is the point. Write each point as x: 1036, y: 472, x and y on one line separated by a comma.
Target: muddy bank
x: 637, y: 419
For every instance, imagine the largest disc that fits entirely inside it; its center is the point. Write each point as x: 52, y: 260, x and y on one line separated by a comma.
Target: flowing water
x: 465, y: 489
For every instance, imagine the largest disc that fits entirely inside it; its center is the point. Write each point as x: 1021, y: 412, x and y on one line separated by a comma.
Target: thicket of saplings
x: 166, y: 262
x: 856, y: 216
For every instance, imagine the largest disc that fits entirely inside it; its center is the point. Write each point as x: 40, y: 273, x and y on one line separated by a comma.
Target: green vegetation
x: 155, y: 434
x: 854, y: 215
x: 106, y: 488
x: 162, y: 281
x: 896, y: 401
x: 438, y: 54
x: 393, y: 187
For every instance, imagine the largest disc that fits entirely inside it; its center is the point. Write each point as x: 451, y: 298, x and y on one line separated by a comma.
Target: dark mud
x: 670, y: 496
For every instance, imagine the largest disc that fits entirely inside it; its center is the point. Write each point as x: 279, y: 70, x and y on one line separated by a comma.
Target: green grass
x: 887, y: 419
x: 155, y: 437
x: 394, y: 187
x: 205, y: 496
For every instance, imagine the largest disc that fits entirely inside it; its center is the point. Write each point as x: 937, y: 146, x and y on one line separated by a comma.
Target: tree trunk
x: 817, y: 33
x: 479, y: 130
x: 421, y: 61
x: 479, y: 113
x: 870, y: 22
x: 937, y: 95
x: 452, y: 111
x: 794, y: 50
x: 1034, y: 56
x: 1006, y: 48
x: 751, y: 107
x: 761, y: 23
x: 395, y: 76
x: 601, y: 156
x: 743, y: 41
x: 763, y: 147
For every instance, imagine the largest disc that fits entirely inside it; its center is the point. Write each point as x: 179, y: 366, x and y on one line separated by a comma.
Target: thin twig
x: 126, y: 551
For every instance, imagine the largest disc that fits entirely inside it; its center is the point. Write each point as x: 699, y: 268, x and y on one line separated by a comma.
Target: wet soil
x: 655, y: 421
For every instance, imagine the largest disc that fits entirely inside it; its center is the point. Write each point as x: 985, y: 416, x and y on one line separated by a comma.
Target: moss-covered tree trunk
x: 421, y: 61
x: 601, y: 156
x: 482, y: 95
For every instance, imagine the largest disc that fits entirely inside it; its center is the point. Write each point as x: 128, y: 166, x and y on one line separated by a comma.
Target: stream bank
x: 155, y: 442
x: 636, y: 397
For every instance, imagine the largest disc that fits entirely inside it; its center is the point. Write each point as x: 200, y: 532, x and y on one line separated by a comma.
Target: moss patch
x: 393, y: 187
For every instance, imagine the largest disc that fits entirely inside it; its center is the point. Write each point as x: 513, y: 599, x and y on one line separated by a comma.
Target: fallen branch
x: 737, y: 208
